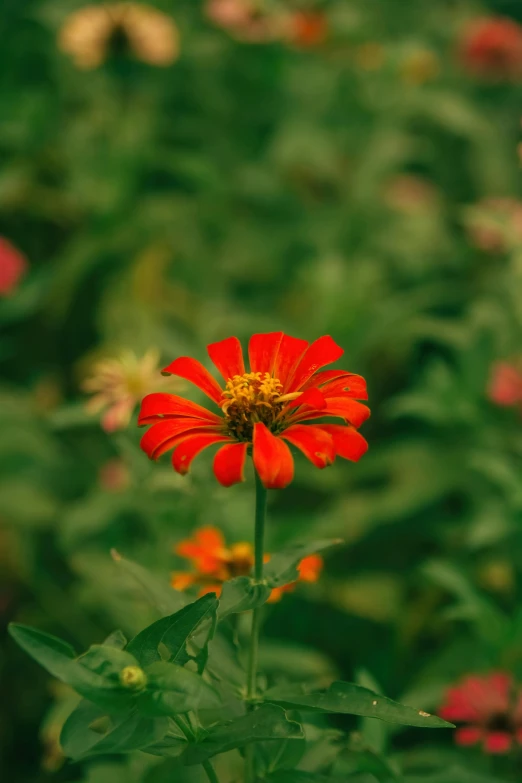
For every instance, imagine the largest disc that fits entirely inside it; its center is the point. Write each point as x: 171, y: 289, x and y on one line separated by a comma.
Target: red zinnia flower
x: 491, y: 707
x: 261, y: 410
x: 12, y: 267
x: 505, y: 385
x: 493, y: 47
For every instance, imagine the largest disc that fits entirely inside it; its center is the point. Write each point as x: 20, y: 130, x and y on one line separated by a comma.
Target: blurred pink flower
x: 13, y: 266
x: 495, y: 225
x: 114, y: 475
x: 245, y: 20
x: 118, y: 384
x: 490, y: 707
x: 410, y: 194
x: 505, y: 384
x: 492, y: 47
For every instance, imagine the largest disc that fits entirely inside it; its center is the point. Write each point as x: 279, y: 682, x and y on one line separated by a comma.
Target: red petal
x: 468, y: 735
x: 191, y: 446
x: 262, y: 351
x: 330, y: 381
x: 323, y: 351
x: 316, y: 444
x: 349, y: 444
x: 311, y: 397
x: 272, y: 458
x: 347, y: 385
x: 159, y: 405
x: 354, y: 412
x: 498, y: 742
x: 193, y: 371
x: 229, y: 463
x: 162, y: 436
x: 290, y: 351
x: 227, y: 356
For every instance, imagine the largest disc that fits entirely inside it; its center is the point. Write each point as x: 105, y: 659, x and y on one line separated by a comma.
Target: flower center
x: 250, y: 398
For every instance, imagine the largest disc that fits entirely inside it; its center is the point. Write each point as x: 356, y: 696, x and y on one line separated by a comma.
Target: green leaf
x: 81, y: 736
x: 160, y: 594
x: 96, y: 676
x: 266, y: 723
x: 241, y: 594
x: 173, y: 631
x: 52, y: 653
x: 453, y: 775
x: 116, y: 639
x: 350, y: 699
x: 172, y: 690
x: 296, y: 776
x: 281, y: 569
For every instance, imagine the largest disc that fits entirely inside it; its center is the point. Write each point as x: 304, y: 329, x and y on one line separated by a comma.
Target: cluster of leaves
x: 168, y: 691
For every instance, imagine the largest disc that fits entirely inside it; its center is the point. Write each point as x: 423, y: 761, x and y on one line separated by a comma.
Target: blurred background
x: 175, y: 173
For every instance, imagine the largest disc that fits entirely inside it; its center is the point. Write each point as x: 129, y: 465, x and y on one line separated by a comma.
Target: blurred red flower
x: 261, y: 410
x: 490, y: 706
x: 307, y: 29
x: 13, y: 266
x: 505, y: 385
x: 492, y: 47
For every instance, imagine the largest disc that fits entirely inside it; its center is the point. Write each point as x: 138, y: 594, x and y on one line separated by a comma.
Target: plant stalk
x: 259, y: 538
x: 211, y: 773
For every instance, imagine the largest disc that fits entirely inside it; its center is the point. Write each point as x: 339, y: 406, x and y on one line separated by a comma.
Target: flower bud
x: 133, y: 677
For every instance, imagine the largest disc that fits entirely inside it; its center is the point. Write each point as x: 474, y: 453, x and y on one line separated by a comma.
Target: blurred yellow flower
x: 118, y: 384
x: 89, y: 34
x: 370, y: 56
x: 419, y: 66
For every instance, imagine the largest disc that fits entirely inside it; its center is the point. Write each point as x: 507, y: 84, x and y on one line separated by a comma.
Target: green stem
x: 211, y: 773
x: 259, y: 537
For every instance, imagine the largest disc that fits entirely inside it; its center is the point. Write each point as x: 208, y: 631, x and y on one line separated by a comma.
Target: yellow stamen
x: 250, y: 398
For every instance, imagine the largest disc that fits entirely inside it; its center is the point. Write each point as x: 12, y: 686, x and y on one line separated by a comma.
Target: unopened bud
x: 133, y: 677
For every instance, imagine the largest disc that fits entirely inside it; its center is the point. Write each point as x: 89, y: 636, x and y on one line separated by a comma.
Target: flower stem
x: 259, y: 536
x: 211, y: 773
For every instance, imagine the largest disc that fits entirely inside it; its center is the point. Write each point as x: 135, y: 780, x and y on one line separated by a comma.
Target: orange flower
x: 307, y: 29
x: 89, y: 33
x: 245, y: 20
x: 309, y: 571
x: 261, y: 410
x: 214, y: 563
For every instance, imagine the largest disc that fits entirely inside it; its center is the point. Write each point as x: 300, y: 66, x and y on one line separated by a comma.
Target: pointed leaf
x: 52, y: 653
x: 281, y: 569
x: 172, y: 690
x: 160, y: 594
x: 266, y: 723
x: 241, y: 594
x: 81, y: 738
x: 116, y: 639
x: 350, y: 699
x: 173, y: 631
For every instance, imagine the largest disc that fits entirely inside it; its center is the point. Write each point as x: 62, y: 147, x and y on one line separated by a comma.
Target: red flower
x: 261, y: 410
x: 493, y: 47
x: 12, y: 267
x: 491, y: 707
x: 505, y: 385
